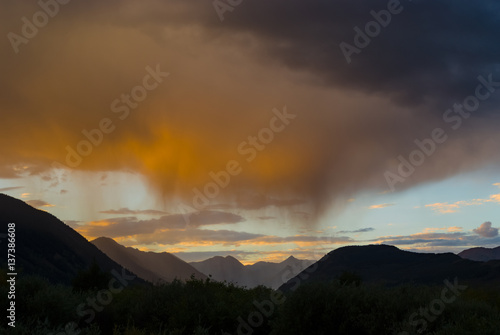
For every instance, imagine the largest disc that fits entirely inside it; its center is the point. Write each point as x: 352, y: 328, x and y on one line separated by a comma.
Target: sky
x: 258, y: 129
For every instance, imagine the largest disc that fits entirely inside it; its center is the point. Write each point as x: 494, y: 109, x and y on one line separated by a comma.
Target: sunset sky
x: 259, y: 129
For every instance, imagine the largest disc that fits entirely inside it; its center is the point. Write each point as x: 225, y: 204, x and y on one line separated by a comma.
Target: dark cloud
x: 352, y: 120
x: 362, y: 230
x: 197, y: 237
x: 430, y: 50
x: 433, y: 241
x: 254, y: 201
x: 126, y: 211
x: 425, y: 236
x: 486, y: 230
x: 322, y: 240
x: 126, y: 226
x: 264, y: 218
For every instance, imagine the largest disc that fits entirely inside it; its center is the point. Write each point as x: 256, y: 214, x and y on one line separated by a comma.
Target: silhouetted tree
x: 91, y: 279
x: 349, y: 278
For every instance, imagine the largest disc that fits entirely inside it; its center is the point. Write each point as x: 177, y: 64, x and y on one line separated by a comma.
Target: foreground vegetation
x: 343, y: 306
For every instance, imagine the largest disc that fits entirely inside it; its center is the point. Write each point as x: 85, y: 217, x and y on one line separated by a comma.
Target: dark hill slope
x: 46, y: 246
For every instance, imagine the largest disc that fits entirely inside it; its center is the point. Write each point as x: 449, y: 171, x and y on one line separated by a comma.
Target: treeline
x: 343, y: 306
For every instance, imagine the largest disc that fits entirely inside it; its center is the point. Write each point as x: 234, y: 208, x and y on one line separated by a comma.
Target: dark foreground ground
x: 97, y: 304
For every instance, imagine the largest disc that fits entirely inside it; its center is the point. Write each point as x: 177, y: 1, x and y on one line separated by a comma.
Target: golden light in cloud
x: 86, y: 229
x: 444, y: 208
x: 494, y: 198
x: 39, y: 204
x: 448, y: 229
x: 447, y: 208
x: 380, y: 206
x: 102, y: 223
x: 337, y: 136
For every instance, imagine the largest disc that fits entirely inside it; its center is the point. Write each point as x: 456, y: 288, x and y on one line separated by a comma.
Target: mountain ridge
x: 481, y: 254
x: 389, y: 265
x: 152, y: 266
x: 46, y: 246
x: 231, y: 270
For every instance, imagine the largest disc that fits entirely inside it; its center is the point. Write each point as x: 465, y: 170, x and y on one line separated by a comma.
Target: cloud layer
x: 352, y: 120
x: 486, y: 230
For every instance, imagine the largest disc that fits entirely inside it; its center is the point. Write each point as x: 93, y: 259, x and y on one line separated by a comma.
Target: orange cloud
x: 380, y: 206
x: 448, y: 229
x: 39, y: 203
x: 494, y: 198
x: 446, y: 208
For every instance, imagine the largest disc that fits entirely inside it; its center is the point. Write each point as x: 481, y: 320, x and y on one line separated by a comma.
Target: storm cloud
x: 353, y: 120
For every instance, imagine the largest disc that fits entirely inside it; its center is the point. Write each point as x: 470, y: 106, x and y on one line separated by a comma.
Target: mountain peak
x: 391, y: 266
x: 481, y: 254
x: 47, y: 246
x: 103, y: 239
x: 151, y: 266
x: 290, y: 260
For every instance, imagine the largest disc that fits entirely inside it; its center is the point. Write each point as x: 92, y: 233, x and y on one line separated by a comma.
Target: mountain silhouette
x: 46, y: 246
x: 390, y: 266
x: 269, y: 274
x: 151, y: 266
x: 481, y: 254
x: 222, y: 269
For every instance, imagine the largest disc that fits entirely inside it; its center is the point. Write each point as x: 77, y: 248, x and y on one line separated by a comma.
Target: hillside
x: 151, y: 266
x: 390, y: 266
x: 46, y: 246
x: 261, y: 273
x: 481, y: 254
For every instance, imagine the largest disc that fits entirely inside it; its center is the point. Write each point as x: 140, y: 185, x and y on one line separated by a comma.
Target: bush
x: 200, y: 307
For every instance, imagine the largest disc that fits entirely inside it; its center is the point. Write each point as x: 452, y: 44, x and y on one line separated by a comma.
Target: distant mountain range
x: 151, y: 266
x: 389, y: 265
x: 261, y: 273
x: 46, y: 246
x: 481, y: 254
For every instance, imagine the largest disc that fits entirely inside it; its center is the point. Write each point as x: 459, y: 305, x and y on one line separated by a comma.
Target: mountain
x: 481, y: 254
x: 275, y: 274
x: 46, y: 246
x: 389, y: 265
x: 222, y: 269
x: 261, y: 273
x: 151, y: 266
